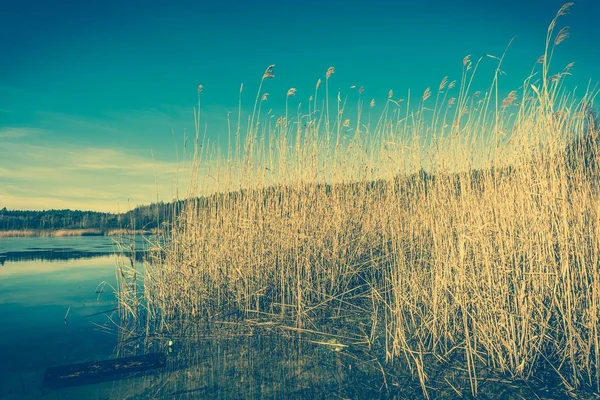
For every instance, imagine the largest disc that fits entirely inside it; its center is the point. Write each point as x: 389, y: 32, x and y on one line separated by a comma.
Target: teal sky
x: 95, y: 95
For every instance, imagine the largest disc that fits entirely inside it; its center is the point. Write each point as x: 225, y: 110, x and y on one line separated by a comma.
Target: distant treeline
x: 141, y: 218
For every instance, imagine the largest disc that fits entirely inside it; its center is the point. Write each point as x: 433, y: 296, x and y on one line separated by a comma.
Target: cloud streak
x: 18, y: 133
x: 34, y: 175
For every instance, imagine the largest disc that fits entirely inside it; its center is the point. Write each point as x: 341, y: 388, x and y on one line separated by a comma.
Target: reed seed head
x: 427, y: 94
x: 509, y: 100
x: 269, y: 72
x: 555, y: 77
x: 565, y: 9
x: 562, y: 35
x: 330, y: 72
x: 569, y: 67
x: 466, y: 59
x: 443, y: 83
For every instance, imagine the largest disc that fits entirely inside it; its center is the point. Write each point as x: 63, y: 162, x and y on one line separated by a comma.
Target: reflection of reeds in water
x: 240, y: 361
x: 260, y: 360
x: 127, y: 292
x: 487, y: 263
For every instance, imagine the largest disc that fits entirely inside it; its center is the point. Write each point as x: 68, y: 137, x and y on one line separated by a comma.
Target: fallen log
x: 100, y: 371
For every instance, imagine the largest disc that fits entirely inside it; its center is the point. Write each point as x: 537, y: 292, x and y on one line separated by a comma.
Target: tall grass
x: 467, y: 234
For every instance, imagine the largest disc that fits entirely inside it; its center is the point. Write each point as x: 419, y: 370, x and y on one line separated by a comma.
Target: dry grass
x: 490, y: 260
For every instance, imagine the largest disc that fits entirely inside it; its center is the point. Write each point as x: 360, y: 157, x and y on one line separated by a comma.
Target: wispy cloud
x: 18, y: 133
x: 34, y: 175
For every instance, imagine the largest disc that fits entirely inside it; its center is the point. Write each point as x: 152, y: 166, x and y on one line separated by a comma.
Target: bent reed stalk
x: 464, y: 235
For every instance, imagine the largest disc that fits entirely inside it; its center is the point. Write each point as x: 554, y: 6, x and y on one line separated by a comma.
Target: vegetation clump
x: 463, y: 236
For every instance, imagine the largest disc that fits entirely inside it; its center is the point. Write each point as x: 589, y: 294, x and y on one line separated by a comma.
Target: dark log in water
x: 99, y: 371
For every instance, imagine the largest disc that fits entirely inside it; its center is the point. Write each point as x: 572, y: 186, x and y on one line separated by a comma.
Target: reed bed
x: 457, y: 229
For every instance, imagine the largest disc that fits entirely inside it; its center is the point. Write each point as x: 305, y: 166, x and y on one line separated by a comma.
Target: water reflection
x: 256, y: 363
x: 16, y: 249
x: 34, y: 334
x: 247, y: 362
x: 62, y: 255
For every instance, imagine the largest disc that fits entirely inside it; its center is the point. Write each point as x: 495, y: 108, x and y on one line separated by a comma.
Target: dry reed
x: 465, y: 235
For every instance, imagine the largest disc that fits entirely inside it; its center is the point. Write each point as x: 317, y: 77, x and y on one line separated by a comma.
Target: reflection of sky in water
x: 34, y: 298
x: 42, y: 282
x: 82, y: 243
x: 55, y: 270
x: 55, y: 243
x: 68, y: 248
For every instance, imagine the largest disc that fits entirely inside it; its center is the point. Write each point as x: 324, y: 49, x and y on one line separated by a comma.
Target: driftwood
x: 99, y: 371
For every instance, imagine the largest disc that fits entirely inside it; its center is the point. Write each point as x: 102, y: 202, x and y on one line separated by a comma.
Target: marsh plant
x: 457, y: 229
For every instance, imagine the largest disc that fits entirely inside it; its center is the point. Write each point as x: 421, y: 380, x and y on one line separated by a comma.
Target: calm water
x: 42, y: 278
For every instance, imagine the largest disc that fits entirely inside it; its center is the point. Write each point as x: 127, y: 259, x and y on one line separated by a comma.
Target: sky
x: 96, y: 97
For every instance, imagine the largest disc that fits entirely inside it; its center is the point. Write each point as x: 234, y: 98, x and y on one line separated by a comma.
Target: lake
x: 44, y: 278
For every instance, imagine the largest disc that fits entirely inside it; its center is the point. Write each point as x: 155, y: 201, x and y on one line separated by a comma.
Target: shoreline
x: 72, y: 232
